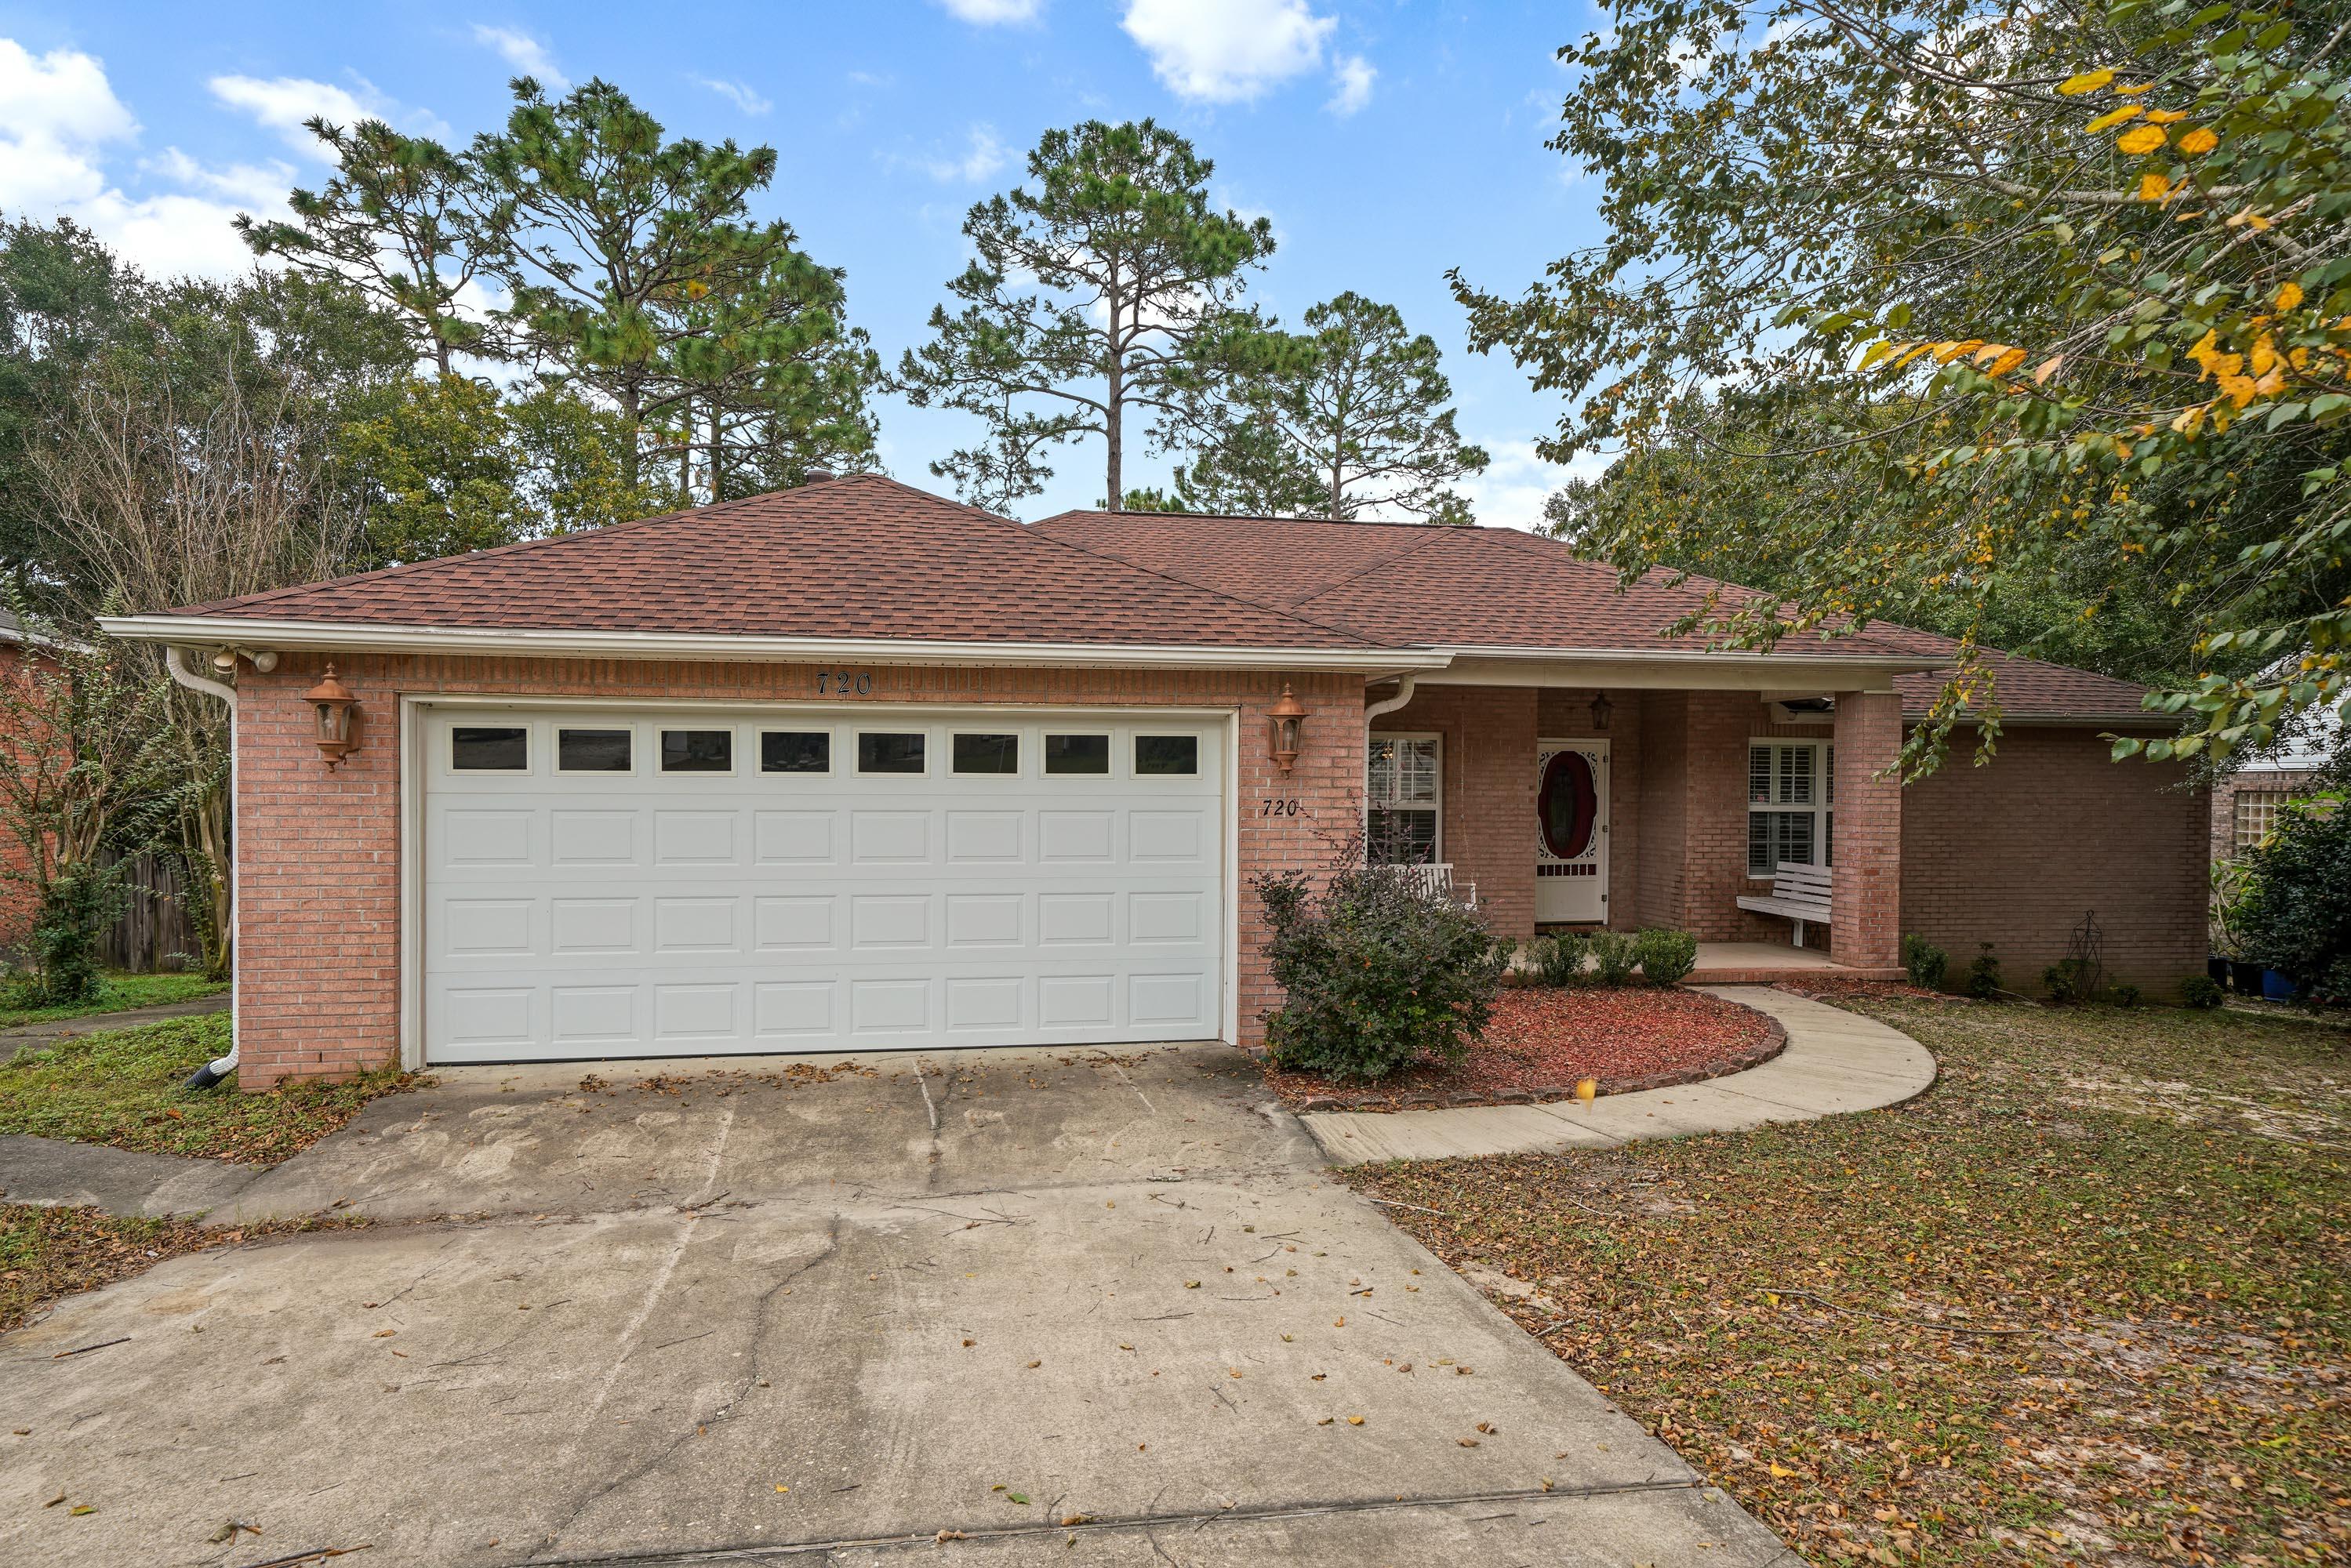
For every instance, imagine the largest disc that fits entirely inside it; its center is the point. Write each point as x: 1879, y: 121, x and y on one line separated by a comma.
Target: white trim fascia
x: 1651, y: 669
x: 340, y: 636
x: 411, y: 883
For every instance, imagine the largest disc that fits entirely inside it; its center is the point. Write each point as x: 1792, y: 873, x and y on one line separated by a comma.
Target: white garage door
x: 681, y: 882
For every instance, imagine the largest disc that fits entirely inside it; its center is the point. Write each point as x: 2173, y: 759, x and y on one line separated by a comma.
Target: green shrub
x: 1926, y: 963
x: 2124, y: 996
x: 1614, y: 955
x: 1983, y: 975
x: 2296, y: 915
x: 76, y: 908
x: 1562, y: 960
x: 1666, y: 955
x: 2069, y: 980
x: 2201, y: 991
x: 1376, y: 974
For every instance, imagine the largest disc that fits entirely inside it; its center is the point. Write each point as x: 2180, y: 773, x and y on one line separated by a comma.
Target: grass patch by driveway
x: 123, y: 1087
x: 2087, y: 1300
x: 120, y: 993
x: 47, y: 1254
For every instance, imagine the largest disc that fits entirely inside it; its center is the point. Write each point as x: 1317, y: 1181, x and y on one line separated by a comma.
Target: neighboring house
x: 2245, y: 802
x: 853, y: 767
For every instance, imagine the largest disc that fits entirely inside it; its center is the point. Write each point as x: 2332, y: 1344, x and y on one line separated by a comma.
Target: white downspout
x: 1403, y: 696
x: 174, y: 663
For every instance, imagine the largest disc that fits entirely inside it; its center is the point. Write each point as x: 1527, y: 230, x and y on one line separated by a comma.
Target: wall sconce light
x: 1601, y: 708
x: 340, y: 718
x: 1288, y: 716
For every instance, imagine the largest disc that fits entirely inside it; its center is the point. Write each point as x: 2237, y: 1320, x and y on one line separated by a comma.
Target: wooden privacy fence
x: 154, y: 931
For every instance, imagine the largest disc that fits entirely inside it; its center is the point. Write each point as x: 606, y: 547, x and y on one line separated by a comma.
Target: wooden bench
x: 1435, y: 881
x: 1799, y: 893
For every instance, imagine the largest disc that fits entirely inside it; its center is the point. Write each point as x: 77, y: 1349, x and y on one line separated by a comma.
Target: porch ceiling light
x: 1289, y: 716
x: 340, y: 718
x: 1601, y: 708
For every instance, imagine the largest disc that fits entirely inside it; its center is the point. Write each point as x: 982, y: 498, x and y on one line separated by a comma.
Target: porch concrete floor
x: 1762, y: 963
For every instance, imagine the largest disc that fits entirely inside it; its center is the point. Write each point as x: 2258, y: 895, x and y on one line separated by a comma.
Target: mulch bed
x: 1543, y: 1042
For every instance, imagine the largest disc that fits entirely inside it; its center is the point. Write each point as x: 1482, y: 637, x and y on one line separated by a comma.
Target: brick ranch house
x: 854, y: 767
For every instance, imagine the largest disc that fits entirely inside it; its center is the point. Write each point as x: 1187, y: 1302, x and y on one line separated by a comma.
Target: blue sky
x: 1386, y: 143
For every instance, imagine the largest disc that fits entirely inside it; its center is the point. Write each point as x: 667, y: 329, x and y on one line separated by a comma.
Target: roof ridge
x: 1285, y: 610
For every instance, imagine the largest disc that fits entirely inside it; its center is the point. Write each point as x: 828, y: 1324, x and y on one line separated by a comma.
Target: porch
x: 1573, y: 806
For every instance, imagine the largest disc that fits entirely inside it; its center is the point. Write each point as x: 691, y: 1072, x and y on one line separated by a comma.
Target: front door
x: 1571, y: 830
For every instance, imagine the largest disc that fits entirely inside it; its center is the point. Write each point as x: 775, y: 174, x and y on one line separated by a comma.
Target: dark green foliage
x: 2124, y: 996
x: 1613, y: 956
x: 76, y: 908
x: 2296, y: 916
x: 1376, y: 974
x: 1666, y: 955
x: 1925, y: 962
x: 1563, y: 960
x: 1983, y: 975
x: 2070, y: 981
x: 2201, y: 992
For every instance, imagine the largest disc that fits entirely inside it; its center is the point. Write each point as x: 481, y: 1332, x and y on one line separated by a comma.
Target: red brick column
x: 1865, y: 889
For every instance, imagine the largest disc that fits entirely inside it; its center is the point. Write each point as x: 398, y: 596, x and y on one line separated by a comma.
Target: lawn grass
x: 47, y: 1253
x: 123, y: 1087
x: 2087, y: 1300
x: 120, y: 993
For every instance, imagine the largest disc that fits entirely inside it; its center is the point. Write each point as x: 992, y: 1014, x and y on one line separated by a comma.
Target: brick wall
x: 1866, y: 888
x: 1661, y: 800
x: 1489, y: 792
x: 320, y: 987
x: 2014, y: 853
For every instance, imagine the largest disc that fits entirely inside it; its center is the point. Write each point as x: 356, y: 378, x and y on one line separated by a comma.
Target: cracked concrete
x: 749, y: 1318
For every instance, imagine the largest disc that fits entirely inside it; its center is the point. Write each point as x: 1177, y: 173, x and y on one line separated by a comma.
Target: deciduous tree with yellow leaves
x: 2070, y: 282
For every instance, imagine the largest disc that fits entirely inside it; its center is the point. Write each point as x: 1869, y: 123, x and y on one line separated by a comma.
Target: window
x: 889, y: 753
x: 795, y: 751
x: 1404, y: 785
x: 1077, y: 753
x: 1163, y: 754
x: 503, y: 749
x: 988, y: 754
x: 2256, y: 816
x: 698, y: 751
x: 1791, y: 804
x: 592, y: 750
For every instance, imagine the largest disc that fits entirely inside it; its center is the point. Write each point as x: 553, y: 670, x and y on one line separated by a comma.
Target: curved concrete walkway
x: 1835, y: 1061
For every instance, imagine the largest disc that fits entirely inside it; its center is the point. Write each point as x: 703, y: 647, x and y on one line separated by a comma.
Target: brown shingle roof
x: 1503, y: 587
x: 859, y: 556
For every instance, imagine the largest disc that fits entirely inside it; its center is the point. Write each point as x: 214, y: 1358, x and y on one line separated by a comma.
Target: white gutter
x: 1900, y: 664
x: 220, y: 1067
x: 533, y: 643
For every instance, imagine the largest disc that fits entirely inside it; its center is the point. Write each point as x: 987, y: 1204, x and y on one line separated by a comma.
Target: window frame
x: 1045, y: 759
x: 529, y: 749
x: 661, y: 732
x: 1436, y: 806
x: 1135, y: 754
x: 1822, y: 760
x: 955, y: 768
x: 857, y: 760
x: 591, y: 727
x: 764, y: 731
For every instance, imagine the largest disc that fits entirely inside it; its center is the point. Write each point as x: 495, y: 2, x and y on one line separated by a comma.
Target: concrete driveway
x: 1001, y: 1308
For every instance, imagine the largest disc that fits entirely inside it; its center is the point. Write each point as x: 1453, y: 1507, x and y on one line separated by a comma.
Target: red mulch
x: 1541, y: 1043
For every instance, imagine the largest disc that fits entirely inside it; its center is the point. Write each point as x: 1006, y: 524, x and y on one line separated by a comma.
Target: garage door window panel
x: 592, y: 750
x: 1161, y: 756
x: 987, y: 754
x: 795, y: 751
x: 697, y: 750
x: 490, y: 749
x: 885, y: 751
x: 1077, y: 753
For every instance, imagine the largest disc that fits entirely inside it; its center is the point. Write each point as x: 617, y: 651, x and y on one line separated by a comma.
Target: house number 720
x: 841, y: 683
x: 1280, y: 808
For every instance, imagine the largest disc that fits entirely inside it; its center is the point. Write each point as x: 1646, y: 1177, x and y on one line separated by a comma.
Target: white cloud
x: 1352, y: 76
x: 737, y: 94
x: 983, y: 156
x: 58, y: 120
x: 523, y: 52
x: 1509, y: 494
x: 1225, y: 51
x: 992, y: 13
x: 283, y: 103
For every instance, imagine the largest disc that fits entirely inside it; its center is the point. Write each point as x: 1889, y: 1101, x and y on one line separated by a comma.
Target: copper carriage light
x: 1600, y: 710
x: 339, y: 717
x: 1288, y: 716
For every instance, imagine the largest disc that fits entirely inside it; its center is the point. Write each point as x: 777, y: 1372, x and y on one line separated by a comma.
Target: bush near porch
x: 2087, y: 1300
